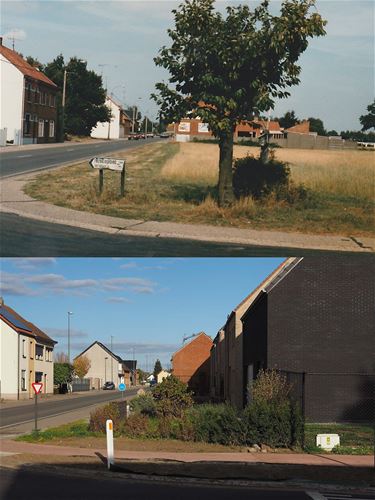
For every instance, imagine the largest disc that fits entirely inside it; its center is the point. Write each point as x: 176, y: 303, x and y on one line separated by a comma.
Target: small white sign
x: 203, y: 128
x: 327, y: 441
x: 184, y: 127
x: 107, y: 163
x: 110, y: 453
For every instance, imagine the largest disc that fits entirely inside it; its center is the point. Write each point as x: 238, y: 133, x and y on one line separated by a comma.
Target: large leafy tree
x: 368, y: 121
x: 81, y: 366
x: 157, y: 368
x: 62, y: 373
x: 224, y: 69
x: 288, y: 120
x: 85, y: 95
x: 317, y: 125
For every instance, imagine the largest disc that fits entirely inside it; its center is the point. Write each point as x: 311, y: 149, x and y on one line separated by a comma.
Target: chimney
x: 1, y: 301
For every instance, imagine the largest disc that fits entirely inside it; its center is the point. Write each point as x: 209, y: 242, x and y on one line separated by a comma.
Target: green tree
x: 288, y: 120
x: 157, y: 368
x: 368, y: 121
x: 35, y: 63
x: 62, y: 373
x: 332, y: 133
x: 316, y: 125
x: 224, y: 69
x: 85, y: 95
x: 172, y: 397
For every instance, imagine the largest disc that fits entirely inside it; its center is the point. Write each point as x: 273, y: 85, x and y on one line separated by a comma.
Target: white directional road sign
x: 107, y: 163
x: 37, y: 386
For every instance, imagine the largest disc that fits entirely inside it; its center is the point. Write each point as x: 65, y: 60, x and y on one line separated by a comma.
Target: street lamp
x: 134, y: 114
x: 69, y: 314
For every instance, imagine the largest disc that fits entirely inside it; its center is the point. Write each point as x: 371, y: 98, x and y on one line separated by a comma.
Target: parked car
x: 109, y: 386
x: 150, y: 134
x: 133, y: 137
x: 164, y: 135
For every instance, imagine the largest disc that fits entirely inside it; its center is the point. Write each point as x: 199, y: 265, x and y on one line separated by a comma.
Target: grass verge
x: 354, y: 439
x: 177, y: 182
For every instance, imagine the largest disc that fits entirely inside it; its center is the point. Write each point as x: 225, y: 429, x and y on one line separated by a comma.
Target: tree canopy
x: 85, y: 95
x: 368, y: 121
x: 224, y: 69
x: 62, y: 373
x: 81, y: 366
x: 157, y: 368
x: 288, y: 120
x: 317, y: 125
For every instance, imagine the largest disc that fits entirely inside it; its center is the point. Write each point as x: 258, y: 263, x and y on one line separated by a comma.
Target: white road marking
x: 315, y: 495
x: 70, y: 149
x: 24, y: 156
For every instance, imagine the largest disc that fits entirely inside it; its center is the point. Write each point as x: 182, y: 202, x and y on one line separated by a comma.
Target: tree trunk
x: 225, y: 187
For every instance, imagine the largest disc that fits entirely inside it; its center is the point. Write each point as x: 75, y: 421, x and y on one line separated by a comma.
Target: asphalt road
x: 46, y: 408
x: 40, y: 485
x: 29, y: 160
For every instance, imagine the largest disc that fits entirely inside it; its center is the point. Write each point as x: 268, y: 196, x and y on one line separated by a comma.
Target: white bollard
x: 109, y: 431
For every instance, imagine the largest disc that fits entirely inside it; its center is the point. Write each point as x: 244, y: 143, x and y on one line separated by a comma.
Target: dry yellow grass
x: 347, y: 173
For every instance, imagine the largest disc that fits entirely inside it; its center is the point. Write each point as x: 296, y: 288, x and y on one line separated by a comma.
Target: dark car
x: 109, y: 386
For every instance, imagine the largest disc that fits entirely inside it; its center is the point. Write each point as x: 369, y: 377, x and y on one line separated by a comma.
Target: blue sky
x: 120, y: 39
x: 145, y: 304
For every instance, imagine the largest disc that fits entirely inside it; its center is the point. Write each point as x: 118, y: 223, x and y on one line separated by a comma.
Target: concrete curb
x: 14, y: 200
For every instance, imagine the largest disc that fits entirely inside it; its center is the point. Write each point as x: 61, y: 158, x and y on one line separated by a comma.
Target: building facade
x: 28, y: 102
x: 26, y: 356
x: 191, y: 364
x: 105, y: 366
x: 314, y: 321
x: 118, y: 127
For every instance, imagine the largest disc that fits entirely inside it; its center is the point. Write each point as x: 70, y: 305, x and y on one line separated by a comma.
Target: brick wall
x: 191, y: 364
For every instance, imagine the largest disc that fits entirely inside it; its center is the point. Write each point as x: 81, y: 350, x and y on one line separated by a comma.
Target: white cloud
x: 32, y: 262
x: 16, y: 34
x: 118, y: 300
x: 62, y: 333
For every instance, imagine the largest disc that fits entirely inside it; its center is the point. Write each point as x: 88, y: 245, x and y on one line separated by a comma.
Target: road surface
x: 20, y: 162
x: 15, y: 415
x: 23, y: 237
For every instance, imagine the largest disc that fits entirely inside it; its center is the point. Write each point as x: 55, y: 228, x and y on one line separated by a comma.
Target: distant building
x: 26, y: 356
x: 162, y: 375
x: 28, y: 102
x: 191, y: 364
x: 118, y: 127
x: 108, y: 367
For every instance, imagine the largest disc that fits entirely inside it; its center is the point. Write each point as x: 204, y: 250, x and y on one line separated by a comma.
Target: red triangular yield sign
x: 37, y: 386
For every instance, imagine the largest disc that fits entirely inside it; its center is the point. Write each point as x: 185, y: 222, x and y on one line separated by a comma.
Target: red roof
x: 24, y: 66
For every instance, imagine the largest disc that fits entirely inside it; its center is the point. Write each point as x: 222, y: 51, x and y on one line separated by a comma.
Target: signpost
x: 122, y: 388
x: 109, y: 164
x: 37, y: 386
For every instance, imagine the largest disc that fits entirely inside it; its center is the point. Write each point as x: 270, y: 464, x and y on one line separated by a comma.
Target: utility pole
x: 111, y: 358
x: 69, y: 314
x: 63, y: 109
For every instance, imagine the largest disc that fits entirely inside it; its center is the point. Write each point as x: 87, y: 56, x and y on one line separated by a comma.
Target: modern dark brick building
x: 315, y: 321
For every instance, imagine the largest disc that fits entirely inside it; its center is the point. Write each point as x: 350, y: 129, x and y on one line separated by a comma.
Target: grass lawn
x: 355, y: 440
x: 177, y: 182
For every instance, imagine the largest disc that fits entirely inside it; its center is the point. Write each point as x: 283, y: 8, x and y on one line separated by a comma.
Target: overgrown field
x: 177, y: 182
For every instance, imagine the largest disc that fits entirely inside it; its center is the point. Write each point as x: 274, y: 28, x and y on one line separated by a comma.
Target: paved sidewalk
x: 26, y: 147
x: 8, y: 445
x: 13, y: 200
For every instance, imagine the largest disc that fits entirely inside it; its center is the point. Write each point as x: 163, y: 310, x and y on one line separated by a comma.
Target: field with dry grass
x: 177, y: 182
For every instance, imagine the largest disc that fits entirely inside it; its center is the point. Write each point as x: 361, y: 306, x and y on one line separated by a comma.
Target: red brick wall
x: 191, y: 364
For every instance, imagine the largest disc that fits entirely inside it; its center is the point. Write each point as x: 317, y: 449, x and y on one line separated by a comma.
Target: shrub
x: 252, y: 177
x: 99, y: 417
x: 218, y: 424
x: 172, y: 397
x: 270, y: 385
x: 144, y: 404
x: 136, y: 426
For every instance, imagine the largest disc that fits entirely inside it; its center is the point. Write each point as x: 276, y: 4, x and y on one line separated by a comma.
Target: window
x: 53, y: 101
x: 23, y: 348
x: 51, y: 128
x: 39, y: 352
x: 38, y: 376
x: 27, y: 127
x: 23, y: 380
x: 40, y: 128
x: 31, y: 350
x: 28, y: 92
x: 48, y: 354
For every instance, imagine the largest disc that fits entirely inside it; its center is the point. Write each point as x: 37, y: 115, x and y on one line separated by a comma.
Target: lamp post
x: 135, y: 113
x: 69, y: 314
x: 112, y: 358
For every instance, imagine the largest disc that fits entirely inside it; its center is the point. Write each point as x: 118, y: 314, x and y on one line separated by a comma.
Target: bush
x: 270, y: 385
x: 99, y: 417
x: 144, y: 404
x: 252, y: 177
x: 136, y: 426
x: 218, y: 424
x: 172, y: 397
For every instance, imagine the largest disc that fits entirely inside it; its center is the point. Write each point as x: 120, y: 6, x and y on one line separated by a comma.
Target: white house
x: 162, y: 375
x: 105, y: 366
x: 119, y: 125
x: 26, y: 356
x: 28, y: 112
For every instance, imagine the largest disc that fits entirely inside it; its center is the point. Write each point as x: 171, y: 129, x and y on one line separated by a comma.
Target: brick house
x: 314, y: 320
x: 191, y: 364
x: 26, y: 356
x: 28, y: 101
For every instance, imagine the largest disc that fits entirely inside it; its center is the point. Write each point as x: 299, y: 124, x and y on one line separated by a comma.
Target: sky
x: 145, y: 304
x: 119, y: 39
